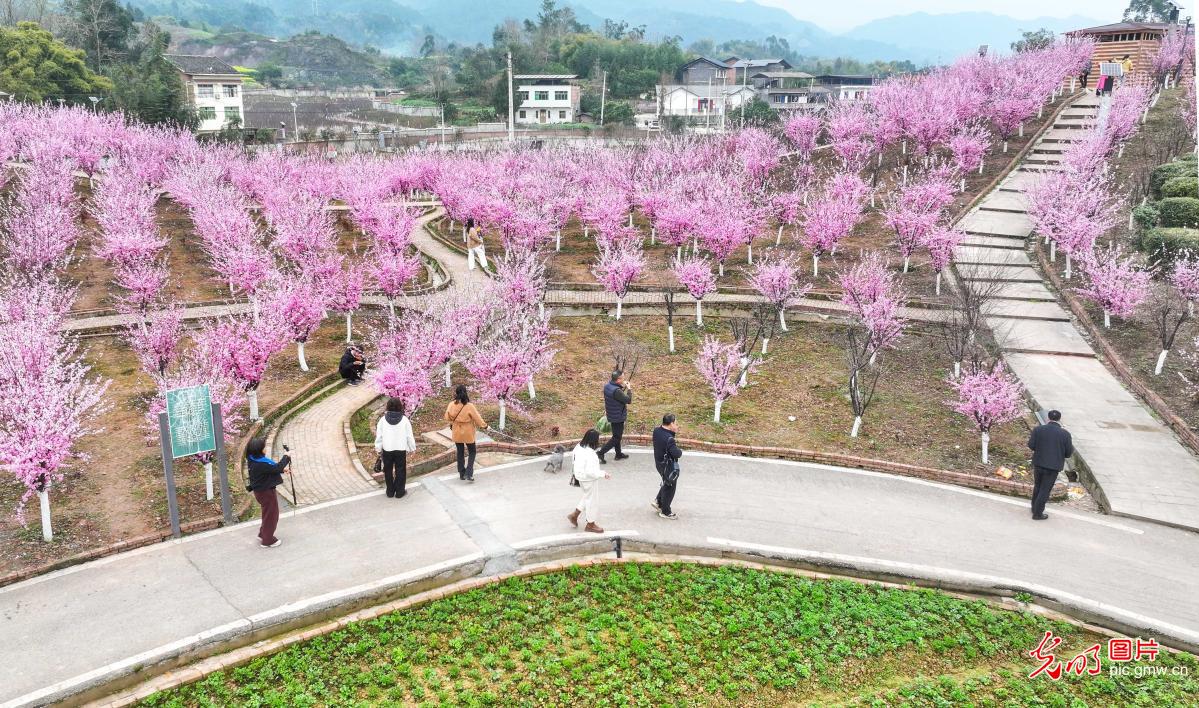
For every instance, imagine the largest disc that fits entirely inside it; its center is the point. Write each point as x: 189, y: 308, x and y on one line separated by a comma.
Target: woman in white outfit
x: 474, y: 246
x: 587, y: 473
x: 393, y: 442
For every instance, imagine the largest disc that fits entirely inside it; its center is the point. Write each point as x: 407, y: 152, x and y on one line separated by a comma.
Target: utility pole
x: 708, y: 112
x: 511, y: 111
x: 443, y: 123
x: 744, y: 84
x: 603, y: 96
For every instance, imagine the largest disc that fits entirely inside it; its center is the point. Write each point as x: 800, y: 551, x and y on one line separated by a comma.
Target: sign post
x: 218, y: 422
x: 187, y: 428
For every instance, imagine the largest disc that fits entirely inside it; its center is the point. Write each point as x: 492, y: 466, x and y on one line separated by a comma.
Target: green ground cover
x: 638, y: 634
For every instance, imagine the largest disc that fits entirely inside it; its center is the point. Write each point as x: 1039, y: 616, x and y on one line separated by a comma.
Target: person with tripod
x: 265, y: 475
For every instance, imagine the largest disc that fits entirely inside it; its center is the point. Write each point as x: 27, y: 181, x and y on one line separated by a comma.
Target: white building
x: 214, y: 89
x: 702, y: 102
x: 546, y: 98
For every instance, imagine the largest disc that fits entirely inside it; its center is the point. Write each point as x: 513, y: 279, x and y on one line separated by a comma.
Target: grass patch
x: 681, y: 635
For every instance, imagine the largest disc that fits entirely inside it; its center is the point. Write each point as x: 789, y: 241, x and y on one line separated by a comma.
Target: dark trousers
x: 1084, y: 78
x: 666, y: 495
x: 353, y: 372
x: 614, y: 441
x: 466, y: 460
x: 269, y: 501
x: 1042, y: 487
x: 395, y: 471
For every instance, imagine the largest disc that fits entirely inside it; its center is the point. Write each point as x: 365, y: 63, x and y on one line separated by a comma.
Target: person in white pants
x: 474, y: 246
x: 588, y: 474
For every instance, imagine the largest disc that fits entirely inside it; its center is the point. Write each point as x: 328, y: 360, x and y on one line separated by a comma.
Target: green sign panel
x: 189, y: 415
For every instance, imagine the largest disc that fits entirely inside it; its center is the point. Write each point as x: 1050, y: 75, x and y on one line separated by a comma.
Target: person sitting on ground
x: 352, y: 365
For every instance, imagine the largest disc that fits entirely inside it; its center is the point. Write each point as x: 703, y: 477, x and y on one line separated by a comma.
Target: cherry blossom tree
x: 831, y: 217
x: 803, y: 130
x: 988, y: 398
x: 721, y: 366
x: 695, y: 274
x: 1184, y: 275
x: 342, y: 292
x: 870, y: 292
x: 156, y: 341
x: 297, y: 309
x: 508, y: 358
x: 776, y: 278
x: 941, y: 244
x: 1114, y: 282
x: 520, y: 280
x: 969, y: 146
x: 617, y: 268
x: 240, y: 348
x: 391, y: 272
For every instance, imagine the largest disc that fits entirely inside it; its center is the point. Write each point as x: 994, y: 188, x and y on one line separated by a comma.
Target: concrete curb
x: 554, y: 556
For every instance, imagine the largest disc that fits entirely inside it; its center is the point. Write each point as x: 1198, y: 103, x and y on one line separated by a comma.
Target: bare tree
x: 767, y: 320
x: 865, y: 369
x: 1169, y: 312
x: 671, y: 306
x: 746, y: 332
x: 626, y: 354
x: 964, y: 320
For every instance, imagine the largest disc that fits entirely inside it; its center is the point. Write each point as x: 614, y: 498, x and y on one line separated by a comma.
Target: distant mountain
x: 939, y: 38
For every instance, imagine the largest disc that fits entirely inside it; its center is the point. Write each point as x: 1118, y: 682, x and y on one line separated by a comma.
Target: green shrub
x: 1179, y: 211
x: 1181, y: 187
x: 1145, y: 217
x: 1165, y: 244
x: 1165, y: 173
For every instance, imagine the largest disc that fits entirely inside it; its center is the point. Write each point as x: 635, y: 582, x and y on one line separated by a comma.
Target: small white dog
x: 554, y: 464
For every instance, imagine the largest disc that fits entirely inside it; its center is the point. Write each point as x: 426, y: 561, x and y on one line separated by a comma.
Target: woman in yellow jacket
x: 465, y: 421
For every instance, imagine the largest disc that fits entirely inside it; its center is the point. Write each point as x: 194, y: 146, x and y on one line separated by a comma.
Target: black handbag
x: 573, y: 482
x: 379, y: 464
x: 670, y: 473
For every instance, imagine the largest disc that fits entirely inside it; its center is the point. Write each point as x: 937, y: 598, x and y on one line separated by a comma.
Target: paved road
x: 1138, y: 467
x: 82, y: 624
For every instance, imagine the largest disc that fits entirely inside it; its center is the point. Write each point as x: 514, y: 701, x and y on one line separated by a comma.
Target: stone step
x: 1019, y: 292
x: 1048, y: 150
x: 1009, y: 242
x: 987, y: 272
x: 445, y: 439
x: 1004, y: 201
x: 997, y: 223
x: 1043, y: 160
x: 1015, y: 334
x: 1040, y: 168
x: 1029, y: 310
x: 985, y: 255
x: 1018, y: 181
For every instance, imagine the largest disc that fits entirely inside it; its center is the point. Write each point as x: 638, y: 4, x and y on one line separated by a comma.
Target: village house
x: 546, y: 98
x: 1139, y: 41
x: 214, y: 90
x: 784, y: 90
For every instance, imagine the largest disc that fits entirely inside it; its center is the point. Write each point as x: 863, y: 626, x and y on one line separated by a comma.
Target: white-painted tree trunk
x: 252, y: 400
x: 503, y: 414
x: 619, y: 302
x: 957, y: 369
x: 1005, y: 147
x: 695, y: 245
x: 1041, y: 111
x: 391, y: 307
x: 300, y: 356
x: 540, y: 308
x: 43, y: 498
x: 783, y: 319
x: 962, y: 188
x: 1161, y: 361
x: 1053, y: 251
x: 815, y: 265
x: 448, y: 381
x: 254, y: 307
x: 750, y: 257
x: 904, y: 149
x: 1069, y: 269
x: 905, y: 174
x: 779, y: 238
x: 937, y: 289
x: 1021, y: 133
x: 630, y: 218
x: 906, y: 261
x: 857, y: 425
x: 699, y: 313
x: 986, y: 445
x: 765, y: 345
x: 716, y: 417
x: 208, y: 480
x: 1072, y: 84
x: 586, y: 231
x: 744, y: 380
x: 1107, y: 319
x: 670, y: 331
x: 558, y: 241
x: 720, y: 268
x: 653, y: 235
x: 349, y: 328
x: 532, y: 391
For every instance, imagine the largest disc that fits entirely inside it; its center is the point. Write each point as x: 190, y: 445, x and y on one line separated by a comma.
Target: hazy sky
x: 839, y: 16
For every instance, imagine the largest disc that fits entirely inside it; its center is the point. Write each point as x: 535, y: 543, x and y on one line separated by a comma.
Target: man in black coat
x: 617, y: 397
x: 1051, y: 446
x: 352, y: 365
x: 665, y: 447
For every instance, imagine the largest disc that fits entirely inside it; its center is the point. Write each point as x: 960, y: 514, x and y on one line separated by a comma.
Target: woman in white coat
x: 587, y: 473
x: 393, y: 442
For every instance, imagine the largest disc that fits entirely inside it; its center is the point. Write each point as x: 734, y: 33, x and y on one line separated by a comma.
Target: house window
x: 230, y: 90
x: 562, y: 115
x: 232, y: 114
x: 206, y: 113
x: 561, y: 95
x: 204, y: 90
x: 522, y: 114
x: 522, y: 96
x: 541, y: 95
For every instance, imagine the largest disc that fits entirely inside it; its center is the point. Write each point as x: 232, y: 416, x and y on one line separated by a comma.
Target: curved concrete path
x: 1133, y: 464
x: 85, y: 625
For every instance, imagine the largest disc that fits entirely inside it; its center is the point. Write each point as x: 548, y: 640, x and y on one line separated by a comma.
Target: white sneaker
x: 278, y: 542
x: 672, y: 516
x: 654, y: 504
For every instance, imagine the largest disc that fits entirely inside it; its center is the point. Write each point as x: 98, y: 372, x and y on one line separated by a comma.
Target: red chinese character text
x: 1148, y: 649
x: 1045, y: 655
x: 1087, y: 660
x: 1119, y: 649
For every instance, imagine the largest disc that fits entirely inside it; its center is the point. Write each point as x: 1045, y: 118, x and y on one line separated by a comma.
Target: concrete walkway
x: 88, y: 624
x: 1137, y: 468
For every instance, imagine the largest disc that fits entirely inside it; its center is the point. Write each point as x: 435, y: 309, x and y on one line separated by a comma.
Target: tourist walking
x: 617, y: 397
x: 393, y: 442
x: 265, y: 475
x: 587, y: 473
x: 1125, y: 69
x: 666, y: 455
x: 1051, y: 446
x: 352, y: 365
x: 474, y: 246
x: 465, y: 421
x: 1085, y: 76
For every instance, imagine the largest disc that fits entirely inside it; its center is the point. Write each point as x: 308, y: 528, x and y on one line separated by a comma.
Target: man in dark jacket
x: 352, y: 365
x: 617, y: 397
x: 1051, y: 445
x: 664, y: 448
x: 265, y: 475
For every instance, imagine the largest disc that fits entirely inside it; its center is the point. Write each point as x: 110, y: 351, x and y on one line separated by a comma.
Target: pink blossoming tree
x: 722, y: 367
x: 1114, y: 282
x: 617, y: 268
x: 776, y: 278
x: 695, y: 274
x: 988, y: 398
